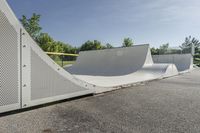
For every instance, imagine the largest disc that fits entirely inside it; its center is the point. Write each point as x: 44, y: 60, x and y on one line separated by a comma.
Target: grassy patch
x: 65, y: 63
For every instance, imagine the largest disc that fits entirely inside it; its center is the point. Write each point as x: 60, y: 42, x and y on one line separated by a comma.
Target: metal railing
x: 178, y: 50
x: 63, y: 59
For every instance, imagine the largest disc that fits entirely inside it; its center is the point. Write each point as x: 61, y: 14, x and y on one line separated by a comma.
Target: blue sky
x: 145, y: 21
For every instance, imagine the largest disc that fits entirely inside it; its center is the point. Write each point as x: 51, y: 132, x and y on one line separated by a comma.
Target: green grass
x: 65, y: 63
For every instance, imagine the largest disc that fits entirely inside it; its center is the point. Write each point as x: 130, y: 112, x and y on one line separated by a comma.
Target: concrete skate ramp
x: 148, y: 72
x: 183, y: 62
x: 28, y: 76
x: 119, y: 66
x: 112, y: 62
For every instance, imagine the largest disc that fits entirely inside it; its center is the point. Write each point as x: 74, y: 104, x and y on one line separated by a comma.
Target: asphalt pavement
x: 170, y: 105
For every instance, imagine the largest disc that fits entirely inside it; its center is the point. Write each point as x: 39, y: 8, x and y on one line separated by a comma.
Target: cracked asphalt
x: 170, y: 105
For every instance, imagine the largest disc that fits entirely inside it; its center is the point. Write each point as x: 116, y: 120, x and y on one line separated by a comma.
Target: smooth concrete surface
x: 119, y: 67
x: 111, y: 62
x: 148, y: 72
x: 170, y: 105
x: 183, y: 62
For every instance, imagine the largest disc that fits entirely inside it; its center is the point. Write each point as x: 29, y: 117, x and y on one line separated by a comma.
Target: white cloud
x: 151, y: 10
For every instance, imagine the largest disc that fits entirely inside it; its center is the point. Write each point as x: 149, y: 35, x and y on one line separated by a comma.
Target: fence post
x: 62, y: 57
x: 192, y: 50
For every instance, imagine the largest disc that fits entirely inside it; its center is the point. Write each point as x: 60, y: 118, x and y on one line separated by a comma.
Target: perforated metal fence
x: 9, y: 64
x: 28, y: 77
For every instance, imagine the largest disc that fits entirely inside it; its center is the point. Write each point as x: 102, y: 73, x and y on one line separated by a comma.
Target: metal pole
x: 192, y: 50
x: 62, y: 60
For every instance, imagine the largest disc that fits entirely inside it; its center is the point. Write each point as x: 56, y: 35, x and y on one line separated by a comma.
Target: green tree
x: 49, y: 45
x: 154, y: 51
x: 44, y: 40
x: 189, y: 41
x: 198, y: 51
x: 109, y: 46
x: 164, y: 48
x: 128, y: 42
x: 32, y: 25
x: 92, y: 45
x: 66, y: 48
x: 73, y: 50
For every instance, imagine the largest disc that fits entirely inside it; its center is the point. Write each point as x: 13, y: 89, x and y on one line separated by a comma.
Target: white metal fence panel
x: 9, y: 65
x: 28, y: 76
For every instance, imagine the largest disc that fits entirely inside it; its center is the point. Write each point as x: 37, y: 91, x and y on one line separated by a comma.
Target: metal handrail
x: 66, y: 54
x: 62, y: 56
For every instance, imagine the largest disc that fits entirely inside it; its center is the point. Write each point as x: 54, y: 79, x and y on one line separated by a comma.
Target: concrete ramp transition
x: 183, y: 62
x: 113, y: 68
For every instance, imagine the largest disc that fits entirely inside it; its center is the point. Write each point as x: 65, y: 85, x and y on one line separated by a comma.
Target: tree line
x: 48, y: 44
x: 185, y: 47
